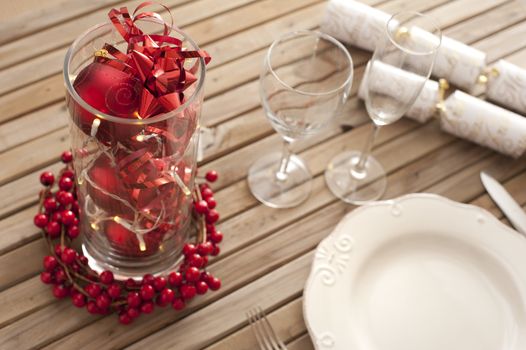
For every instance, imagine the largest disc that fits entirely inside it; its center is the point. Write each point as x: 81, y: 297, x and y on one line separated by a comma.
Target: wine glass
x: 305, y: 80
x: 401, y: 64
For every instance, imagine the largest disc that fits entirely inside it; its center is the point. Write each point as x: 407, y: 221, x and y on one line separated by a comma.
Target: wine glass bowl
x: 396, y: 74
x: 305, y: 80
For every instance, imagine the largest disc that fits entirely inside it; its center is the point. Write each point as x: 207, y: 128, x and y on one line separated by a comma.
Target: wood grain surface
x: 267, y: 253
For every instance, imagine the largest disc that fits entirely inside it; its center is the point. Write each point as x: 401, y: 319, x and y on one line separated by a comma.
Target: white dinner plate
x: 420, y: 272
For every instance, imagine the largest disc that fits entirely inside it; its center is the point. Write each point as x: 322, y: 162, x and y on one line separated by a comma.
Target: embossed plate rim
x: 493, y: 229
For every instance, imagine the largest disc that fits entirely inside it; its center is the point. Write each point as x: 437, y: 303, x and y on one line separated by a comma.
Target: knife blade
x: 505, y: 201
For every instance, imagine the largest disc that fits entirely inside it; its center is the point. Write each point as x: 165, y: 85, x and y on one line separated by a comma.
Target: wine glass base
x: 355, y: 189
x: 276, y: 193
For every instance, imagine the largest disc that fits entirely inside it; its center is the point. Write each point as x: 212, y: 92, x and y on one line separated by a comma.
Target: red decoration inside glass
x: 134, y: 101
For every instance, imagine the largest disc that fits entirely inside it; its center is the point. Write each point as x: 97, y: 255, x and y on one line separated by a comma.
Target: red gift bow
x: 156, y: 60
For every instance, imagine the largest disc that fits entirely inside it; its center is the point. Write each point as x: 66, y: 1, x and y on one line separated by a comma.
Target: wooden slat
x: 44, y: 65
x: 63, y: 34
x: 47, y: 13
x: 302, y: 343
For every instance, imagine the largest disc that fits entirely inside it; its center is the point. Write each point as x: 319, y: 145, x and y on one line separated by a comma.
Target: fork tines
x: 265, y: 335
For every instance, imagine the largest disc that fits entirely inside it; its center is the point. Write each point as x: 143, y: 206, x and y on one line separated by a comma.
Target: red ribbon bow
x: 158, y: 61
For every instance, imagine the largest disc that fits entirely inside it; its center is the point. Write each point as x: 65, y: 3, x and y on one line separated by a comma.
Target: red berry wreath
x: 69, y: 274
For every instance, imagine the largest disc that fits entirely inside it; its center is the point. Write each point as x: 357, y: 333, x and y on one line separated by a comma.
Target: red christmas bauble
x: 105, y: 183
x: 110, y: 91
x: 128, y: 243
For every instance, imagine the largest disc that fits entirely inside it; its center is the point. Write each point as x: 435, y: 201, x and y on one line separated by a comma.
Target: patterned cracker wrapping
x: 507, y: 86
x: 391, y: 81
x: 459, y: 63
x: 362, y: 25
x: 484, y: 123
x: 354, y: 23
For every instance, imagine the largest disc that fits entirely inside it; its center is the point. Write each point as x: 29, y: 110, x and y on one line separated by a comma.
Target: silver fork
x: 265, y: 335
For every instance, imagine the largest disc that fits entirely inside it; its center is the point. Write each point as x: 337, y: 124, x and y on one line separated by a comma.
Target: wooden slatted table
x: 267, y: 253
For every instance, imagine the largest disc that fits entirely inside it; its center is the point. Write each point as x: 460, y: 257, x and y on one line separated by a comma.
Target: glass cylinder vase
x: 134, y: 176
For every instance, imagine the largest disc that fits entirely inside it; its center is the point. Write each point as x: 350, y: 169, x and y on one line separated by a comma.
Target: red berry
x: 201, y: 206
x: 203, y: 186
x: 211, y: 202
x: 66, y: 157
x: 205, y: 261
x: 53, y: 229
x: 78, y: 299
x: 60, y: 275
x: 178, y: 304
x: 205, y: 248
x: 83, y: 260
x: 124, y: 318
x: 60, y: 291
x: 196, y: 260
x: 65, y: 183
x: 175, y: 279
x: 189, y: 249
x: 103, y: 301
x: 207, y: 192
x: 212, y: 216
x: 47, y: 178
x: 65, y: 198
x: 201, y: 287
x: 210, y: 228
x: 106, y: 277
x: 159, y: 283
x: 57, y: 216
x: 73, y: 231
x: 211, y: 176
x: 68, y: 217
x: 148, y: 279
x: 216, y: 237
x: 93, y: 290
x: 214, y: 283
x: 92, y: 307
x: 147, y: 307
x: 205, y: 276
x: 133, y: 312
x: 147, y: 292
x: 40, y: 220
x: 133, y: 299
x: 75, y: 207
x: 215, y: 251
x: 50, y: 262
x: 68, y: 173
x: 58, y: 249
x: 130, y: 283
x: 50, y: 204
x: 114, y: 290
x: 68, y: 255
x: 75, y: 267
x: 165, y: 297
x: 46, y: 277
x: 192, y: 274
x: 187, y: 291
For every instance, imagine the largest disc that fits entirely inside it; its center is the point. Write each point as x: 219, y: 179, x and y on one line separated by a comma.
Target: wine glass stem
x: 281, y: 174
x: 360, y: 170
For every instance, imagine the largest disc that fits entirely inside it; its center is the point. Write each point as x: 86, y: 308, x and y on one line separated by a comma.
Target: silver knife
x: 505, y: 201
